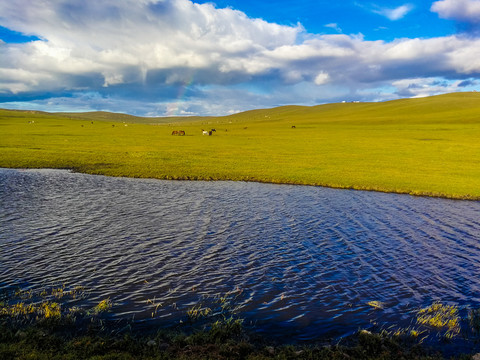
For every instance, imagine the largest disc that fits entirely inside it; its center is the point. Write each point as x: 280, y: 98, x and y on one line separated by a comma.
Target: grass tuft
x: 441, y: 316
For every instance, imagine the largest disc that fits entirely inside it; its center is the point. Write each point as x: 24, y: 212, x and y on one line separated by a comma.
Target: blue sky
x: 183, y: 57
x: 350, y: 17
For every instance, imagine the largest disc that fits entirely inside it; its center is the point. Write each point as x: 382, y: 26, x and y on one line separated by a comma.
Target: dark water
x: 303, y: 261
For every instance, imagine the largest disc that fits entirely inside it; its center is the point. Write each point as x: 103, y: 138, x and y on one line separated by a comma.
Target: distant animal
x: 294, y: 127
x: 175, y: 132
x: 214, y: 130
x: 205, y: 132
x: 178, y: 132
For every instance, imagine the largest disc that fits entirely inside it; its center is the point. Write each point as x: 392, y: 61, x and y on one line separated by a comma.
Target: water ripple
x: 304, y: 258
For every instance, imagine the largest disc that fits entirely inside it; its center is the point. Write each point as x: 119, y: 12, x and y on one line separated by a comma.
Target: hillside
x: 448, y: 106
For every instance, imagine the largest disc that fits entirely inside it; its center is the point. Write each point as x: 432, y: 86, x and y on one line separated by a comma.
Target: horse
x: 181, y: 133
x: 174, y: 132
x: 205, y: 132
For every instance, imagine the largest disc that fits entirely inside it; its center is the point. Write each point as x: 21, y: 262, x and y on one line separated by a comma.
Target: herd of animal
x: 182, y: 132
x: 178, y: 132
x: 205, y: 132
x: 208, y: 132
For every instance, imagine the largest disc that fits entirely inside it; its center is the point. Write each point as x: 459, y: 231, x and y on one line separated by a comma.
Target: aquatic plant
x: 61, y: 292
x: 102, y: 306
x: 376, y: 304
x: 198, y: 311
x: 409, y: 332
x: 19, y: 309
x: 43, y: 310
x: 50, y: 293
x: 155, y: 305
x: 27, y: 306
x: 24, y: 294
x: 441, y: 316
x: 51, y: 310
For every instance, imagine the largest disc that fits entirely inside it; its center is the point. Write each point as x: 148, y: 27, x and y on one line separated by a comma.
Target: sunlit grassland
x: 428, y: 146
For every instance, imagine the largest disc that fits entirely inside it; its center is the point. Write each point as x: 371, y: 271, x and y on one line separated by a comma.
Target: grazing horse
x: 205, y: 132
x: 181, y: 133
x: 174, y: 132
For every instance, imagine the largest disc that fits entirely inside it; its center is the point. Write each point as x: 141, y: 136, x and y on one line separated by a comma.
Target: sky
x: 184, y: 57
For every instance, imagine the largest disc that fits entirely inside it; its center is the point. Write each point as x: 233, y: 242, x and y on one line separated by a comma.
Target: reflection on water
x: 304, y: 259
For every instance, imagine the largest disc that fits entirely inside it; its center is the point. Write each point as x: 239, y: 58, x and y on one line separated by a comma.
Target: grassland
x: 428, y: 146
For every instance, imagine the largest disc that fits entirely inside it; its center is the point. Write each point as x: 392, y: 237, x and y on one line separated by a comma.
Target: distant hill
x: 106, y: 116
x: 466, y: 104
x: 119, y: 117
x: 463, y: 105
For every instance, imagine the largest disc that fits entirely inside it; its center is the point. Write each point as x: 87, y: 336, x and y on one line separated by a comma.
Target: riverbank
x: 51, y: 330
x: 425, y: 147
x: 45, y: 342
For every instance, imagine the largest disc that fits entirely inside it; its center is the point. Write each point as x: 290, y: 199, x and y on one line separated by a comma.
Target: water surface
x: 302, y: 261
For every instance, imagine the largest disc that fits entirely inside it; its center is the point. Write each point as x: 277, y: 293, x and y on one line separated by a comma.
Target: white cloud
x: 110, y: 37
x: 334, y: 26
x: 322, y: 78
x: 461, y: 10
x: 395, y: 13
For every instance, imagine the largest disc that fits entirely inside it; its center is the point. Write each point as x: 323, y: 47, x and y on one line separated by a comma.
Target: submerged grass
x: 418, y: 146
x: 441, y: 316
x: 213, y: 332
x: 228, y: 339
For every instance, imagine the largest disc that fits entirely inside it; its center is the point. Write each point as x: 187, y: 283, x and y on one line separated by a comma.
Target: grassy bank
x: 46, y: 342
x: 426, y: 146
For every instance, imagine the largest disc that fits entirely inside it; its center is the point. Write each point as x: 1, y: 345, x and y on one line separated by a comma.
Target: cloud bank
x: 176, y: 57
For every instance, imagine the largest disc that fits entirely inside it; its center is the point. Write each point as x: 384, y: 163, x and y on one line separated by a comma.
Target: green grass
x: 427, y: 146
